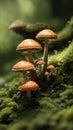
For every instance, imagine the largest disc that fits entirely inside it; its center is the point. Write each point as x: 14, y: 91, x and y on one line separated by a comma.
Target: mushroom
x: 50, y: 68
x: 23, y: 66
x: 29, y: 45
x: 39, y: 63
x: 28, y: 86
x: 45, y: 35
x: 18, y: 27
x: 47, y: 74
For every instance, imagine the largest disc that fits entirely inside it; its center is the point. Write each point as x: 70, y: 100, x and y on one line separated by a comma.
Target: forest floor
x: 51, y: 106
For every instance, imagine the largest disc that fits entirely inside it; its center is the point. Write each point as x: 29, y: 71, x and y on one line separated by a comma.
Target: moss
x: 46, y: 102
x: 7, y: 115
x: 64, y: 38
x: 67, y: 93
x: 14, y: 105
x: 36, y: 27
x: 63, y: 57
x: 3, y: 92
x: 51, y: 107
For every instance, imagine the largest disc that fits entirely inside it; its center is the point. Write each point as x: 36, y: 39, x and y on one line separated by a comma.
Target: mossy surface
x: 51, y: 107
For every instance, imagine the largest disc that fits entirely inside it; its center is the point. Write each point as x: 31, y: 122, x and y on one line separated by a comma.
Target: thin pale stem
x: 45, y: 55
x: 32, y: 72
x: 40, y: 68
x: 30, y: 56
x: 25, y: 76
x: 51, y: 71
x: 28, y: 92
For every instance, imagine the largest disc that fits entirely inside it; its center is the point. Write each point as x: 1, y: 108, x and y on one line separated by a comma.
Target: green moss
x: 48, y: 103
x: 51, y: 107
x: 65, y: 36
x: 3, y: 93
x: 36, y: 27
x: 67, y: 93
x: 7, y: 115
x: 63, y: 57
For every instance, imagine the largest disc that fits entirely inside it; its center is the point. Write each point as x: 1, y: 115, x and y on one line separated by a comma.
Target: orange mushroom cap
x: 29, y: 85
x: 23, y: 65
x: 47, y: 73
x: 28, y: 44
x: 40, y: 62
x: 46, y: 33
x: 50, y: 67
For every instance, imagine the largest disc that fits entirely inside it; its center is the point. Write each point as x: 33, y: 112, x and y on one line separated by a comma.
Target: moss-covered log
x: 51, y: 107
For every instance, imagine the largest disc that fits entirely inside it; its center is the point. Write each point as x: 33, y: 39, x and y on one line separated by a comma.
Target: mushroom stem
x: 32, y: 72
x: 45, y: 55
x: 30, y: 56
x: 51, y: 71
x: 28, y: 93
x: 40, y: 68
x: 25, y: 76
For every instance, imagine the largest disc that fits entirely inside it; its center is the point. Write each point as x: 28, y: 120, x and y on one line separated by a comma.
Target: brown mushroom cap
x: 28, y: 44
x: 23, y: 65
x: 46, y: 33
x: 40, y: 62
x: 16, y: 25
x: 50, y: 67
x: 29, y: 85
x: 47, y: 73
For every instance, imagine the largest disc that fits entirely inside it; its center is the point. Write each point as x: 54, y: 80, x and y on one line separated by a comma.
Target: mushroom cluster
x: 23, y: 66
x: 38, y: 67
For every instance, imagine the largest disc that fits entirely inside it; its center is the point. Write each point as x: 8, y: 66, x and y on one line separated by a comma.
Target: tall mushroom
x: 28, y: 86
x: 23, y: 66
x: 29, y: 45
x: 45, y: 35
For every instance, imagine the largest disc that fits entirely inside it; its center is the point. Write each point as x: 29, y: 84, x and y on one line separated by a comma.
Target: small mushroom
x: 50, y: 68
x: 39, y: 63
x: 23, y: 66
x: 45, y: 35
x: 29, y: 45
x: 28, y: 86
x: 47, y: 74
